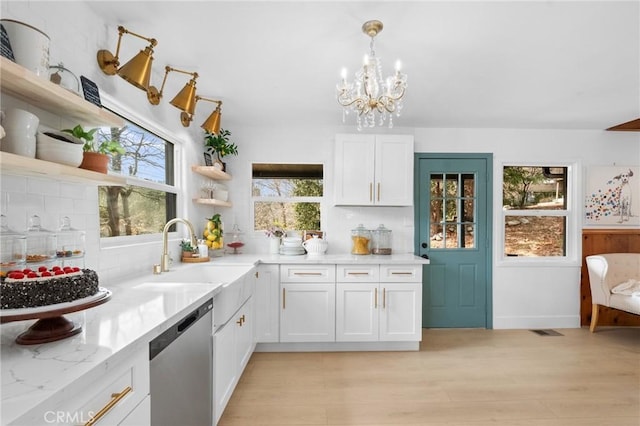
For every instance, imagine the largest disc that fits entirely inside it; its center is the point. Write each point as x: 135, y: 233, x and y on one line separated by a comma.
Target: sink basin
x: 208, y: 274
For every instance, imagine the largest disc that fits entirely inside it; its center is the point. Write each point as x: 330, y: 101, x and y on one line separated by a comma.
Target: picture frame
x: 208, y: 160
x: 608, y: 198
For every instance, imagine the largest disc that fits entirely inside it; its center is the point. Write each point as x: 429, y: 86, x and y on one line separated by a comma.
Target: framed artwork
x: 208, y: 160
x: 613, y: 196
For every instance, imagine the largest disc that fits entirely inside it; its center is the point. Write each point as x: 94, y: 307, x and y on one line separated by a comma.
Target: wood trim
x: 629, y: 126
x: 597, y: 241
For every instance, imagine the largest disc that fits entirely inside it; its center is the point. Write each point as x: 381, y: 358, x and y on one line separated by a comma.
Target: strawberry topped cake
x: 27, y: 288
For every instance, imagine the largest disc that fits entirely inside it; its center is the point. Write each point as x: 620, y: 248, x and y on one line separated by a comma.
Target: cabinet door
x: 307, y: 312
x: 401, y: 313
x: 244, y: 330
x: 140, y: 416
x: 354, y: 169
x: 357, y: 312
x: 224, y: 362
x: 394, y: 170
x: 267, y: 304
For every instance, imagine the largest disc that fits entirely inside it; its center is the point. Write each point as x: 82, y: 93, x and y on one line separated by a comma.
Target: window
x: 537, y: 220
x: 146, y: 205
x: 288, y: 196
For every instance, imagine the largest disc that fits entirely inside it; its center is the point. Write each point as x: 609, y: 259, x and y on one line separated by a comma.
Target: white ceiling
x: 502, y: 64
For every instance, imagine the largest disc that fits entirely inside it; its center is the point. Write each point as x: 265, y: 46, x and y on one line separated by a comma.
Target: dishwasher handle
x: 185, y: 323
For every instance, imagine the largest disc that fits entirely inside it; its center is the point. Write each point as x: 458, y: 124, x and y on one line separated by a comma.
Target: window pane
x: 287, y: 188
x: 286, y: 215
x: 532, y: 236
x: 133, y: 210
x: 146, y: 154
x: 534, y: 187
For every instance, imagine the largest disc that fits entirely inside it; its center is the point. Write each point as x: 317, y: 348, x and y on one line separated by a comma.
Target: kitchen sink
x: 209, y: 274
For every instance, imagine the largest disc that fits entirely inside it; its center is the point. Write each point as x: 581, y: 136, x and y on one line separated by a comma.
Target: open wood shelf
x: 23, y: 84
x: 211, y: 172
x: 23, y: 166
x: 212, y: 202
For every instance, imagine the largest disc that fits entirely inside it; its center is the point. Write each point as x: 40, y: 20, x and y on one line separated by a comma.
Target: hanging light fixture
x: 138, y: 70
x: 212, y: 123
x: 369, y: 94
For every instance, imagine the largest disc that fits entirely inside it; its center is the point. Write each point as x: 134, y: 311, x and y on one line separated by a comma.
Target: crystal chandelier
x: 369, y: 94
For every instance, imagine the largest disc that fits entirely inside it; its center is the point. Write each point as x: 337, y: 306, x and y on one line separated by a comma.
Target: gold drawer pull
x: 402, y: 273
x: 370, y: 191
x: 358, y: 273
x: 375, y: 298
x: 115, y: 398
x: 378, y: 191
x: 307, y: 273
x: 284, y: 295
x: 384, y: 298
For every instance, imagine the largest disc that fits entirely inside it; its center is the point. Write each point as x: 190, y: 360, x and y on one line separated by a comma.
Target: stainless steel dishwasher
x: 181, y: 371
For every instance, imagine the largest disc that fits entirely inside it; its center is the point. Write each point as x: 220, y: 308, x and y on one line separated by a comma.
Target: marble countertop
x: 139, y: 310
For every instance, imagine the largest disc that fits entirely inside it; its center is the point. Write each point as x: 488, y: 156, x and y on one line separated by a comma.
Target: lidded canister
x: 360, y: 240
x: 381, y: 240
x: 41, y: 243
x: 70, y: 240
x: 13, y: 248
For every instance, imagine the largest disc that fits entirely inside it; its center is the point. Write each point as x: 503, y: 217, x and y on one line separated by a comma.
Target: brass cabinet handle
x: 370, y: 191
x: 384, y: 298
x: 241, y: 321
x: 357, y: 273
x: 378, y: 191
x: 308, y: 273
x: 402, y: 273
x: 375, y: 298
x: 284, y: 295
x: 115, y: 398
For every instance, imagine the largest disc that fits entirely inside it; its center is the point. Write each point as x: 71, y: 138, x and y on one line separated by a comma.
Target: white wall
x: 531, y: 296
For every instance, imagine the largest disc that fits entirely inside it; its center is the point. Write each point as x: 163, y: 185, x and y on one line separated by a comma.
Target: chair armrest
x: 600, y: 290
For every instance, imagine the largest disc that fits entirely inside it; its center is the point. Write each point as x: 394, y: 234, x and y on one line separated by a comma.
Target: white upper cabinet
x: 374, y: 170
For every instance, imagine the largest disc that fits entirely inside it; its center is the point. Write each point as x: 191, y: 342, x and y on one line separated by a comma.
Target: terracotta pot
x: 95, y: 161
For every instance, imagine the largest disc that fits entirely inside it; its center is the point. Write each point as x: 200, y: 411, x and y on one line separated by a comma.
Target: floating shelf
x: 23, y: 166
x: 211, y: 172
x: 212, y: 202
x: 21, y: 83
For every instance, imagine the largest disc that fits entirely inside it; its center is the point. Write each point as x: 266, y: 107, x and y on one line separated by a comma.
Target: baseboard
x: 337, y: 346
x: 536, y: 322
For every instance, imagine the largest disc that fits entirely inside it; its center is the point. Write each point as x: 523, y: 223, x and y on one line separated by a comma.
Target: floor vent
x: 547, y: 333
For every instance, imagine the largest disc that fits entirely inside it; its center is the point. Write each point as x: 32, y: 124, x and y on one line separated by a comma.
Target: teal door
x: 453, y: 228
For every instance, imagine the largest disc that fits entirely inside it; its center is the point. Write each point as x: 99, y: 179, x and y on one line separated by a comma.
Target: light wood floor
x: 459, y: 377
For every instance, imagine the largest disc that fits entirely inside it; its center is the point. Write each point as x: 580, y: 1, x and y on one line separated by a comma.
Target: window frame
x: 571, y: 213
x: 254, y: 199
x: 127, y: 113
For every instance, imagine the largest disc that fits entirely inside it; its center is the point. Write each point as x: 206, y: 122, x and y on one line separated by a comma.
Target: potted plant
x: 95, y: 156
x: 220, y: 145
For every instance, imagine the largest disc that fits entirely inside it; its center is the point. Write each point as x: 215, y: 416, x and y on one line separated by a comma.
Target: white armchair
x: 606, y: 271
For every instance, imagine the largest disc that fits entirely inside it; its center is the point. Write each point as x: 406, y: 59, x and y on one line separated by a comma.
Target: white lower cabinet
x: 141, y: 415
x: 109, y: 398
x: 267, y: 304
x: 233, y: 344
x: 307, y: 303
x: 368, y: 309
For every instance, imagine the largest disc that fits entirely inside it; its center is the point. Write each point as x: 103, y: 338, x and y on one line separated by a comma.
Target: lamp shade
x: 138, y: 70
x: 185, y: 100
x: 212, y: 124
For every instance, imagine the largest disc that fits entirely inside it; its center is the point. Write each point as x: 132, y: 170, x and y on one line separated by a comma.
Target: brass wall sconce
x: 212, y: 123
x: 185, y: 100
x: 138, y: 70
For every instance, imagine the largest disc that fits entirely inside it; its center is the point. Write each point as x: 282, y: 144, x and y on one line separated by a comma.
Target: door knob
x: 424, y: 245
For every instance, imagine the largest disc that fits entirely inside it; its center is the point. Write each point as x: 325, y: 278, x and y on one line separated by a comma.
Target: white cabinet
x: 374, y: 170
x: 307, y: 305
x: 110, y: 396
x: 233, y: 340
x: 378, y: 303
x: 141, y: 415
x: 267, y: 303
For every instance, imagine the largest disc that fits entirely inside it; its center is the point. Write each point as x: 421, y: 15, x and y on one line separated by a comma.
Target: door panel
x: 454, y: 230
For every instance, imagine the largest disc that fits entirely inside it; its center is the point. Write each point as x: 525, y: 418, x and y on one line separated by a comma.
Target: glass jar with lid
x: 70, y: 242
x: 13, y: 248
x: 235, y: 235
x: 360, y: 240
x: 381, y: 240
x: 41, y: 243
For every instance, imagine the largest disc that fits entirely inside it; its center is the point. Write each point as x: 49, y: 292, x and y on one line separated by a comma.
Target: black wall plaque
x: 5, y: 45
x: 90, y: 90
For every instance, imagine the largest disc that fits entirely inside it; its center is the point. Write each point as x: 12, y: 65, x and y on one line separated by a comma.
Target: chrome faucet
x: 164, y: 262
